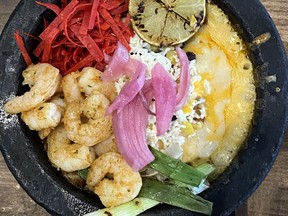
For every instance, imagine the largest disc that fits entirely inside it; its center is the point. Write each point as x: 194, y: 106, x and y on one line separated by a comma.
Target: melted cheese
x: 227, y: 86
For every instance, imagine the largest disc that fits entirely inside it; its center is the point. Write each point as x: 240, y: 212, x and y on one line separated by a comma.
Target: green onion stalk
x: 176, y: 191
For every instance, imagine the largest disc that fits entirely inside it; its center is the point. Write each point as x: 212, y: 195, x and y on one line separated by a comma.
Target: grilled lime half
x: 166, y: 22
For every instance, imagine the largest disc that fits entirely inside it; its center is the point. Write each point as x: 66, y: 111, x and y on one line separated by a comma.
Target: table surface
x: 271, y: 198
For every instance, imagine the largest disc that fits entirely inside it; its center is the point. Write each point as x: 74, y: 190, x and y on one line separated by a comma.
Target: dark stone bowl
x: 28, y: 162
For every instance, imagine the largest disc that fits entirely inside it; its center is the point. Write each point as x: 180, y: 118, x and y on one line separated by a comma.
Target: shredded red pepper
x: 111, y: 4
x: 83, y: 63
x: 83, y: 30
x: 59, y: 19
x: 64, y: 3
x: 48, y: 45
x: 91, y: 45
x: 55, y: 8
x: 22, y: 48
x: 115, y: 28
x: 94, y: 14
x: 81, y: 34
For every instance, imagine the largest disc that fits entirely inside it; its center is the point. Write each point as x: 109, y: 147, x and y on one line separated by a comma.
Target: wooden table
x: 271, y: 198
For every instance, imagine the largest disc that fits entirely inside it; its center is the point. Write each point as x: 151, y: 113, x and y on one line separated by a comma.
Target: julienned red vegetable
x: 82, y: 32
x: 55, y: 8
x: 20, y: 43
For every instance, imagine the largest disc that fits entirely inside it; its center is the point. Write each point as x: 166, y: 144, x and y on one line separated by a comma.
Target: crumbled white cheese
x: 141, y: 51
x: 171, y: 137
x: 120, y: 83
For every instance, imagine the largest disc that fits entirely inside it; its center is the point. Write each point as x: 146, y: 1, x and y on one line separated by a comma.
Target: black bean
x: 191, y: 56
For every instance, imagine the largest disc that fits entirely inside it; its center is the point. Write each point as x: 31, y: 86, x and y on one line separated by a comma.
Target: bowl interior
x: 28, y: 161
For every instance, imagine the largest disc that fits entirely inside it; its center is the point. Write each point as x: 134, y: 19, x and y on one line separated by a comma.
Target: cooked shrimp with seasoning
x: 44, y: 80
x: 66, y: 155
x: 86, y: 122
x: 71, y: 88
x: 123, y: 184
x: 108, y: 145
x: 58, y: 100
x: 43, y: 134
x: 90, y: 80
x: 47, y: 115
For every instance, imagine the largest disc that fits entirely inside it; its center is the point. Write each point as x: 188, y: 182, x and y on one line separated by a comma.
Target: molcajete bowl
x: 28, y: 161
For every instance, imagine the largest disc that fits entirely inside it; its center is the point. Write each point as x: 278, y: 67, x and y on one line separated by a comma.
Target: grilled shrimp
x: 58, y: 100
x: 85, y: 122
x: 108, y: 145
x: 43, y: 80
x: 44, y: 133
x: 71, y: 88
x: 124, y: 184
x: 44, y: 116
x: 90, y: 80
x: 65, y: 155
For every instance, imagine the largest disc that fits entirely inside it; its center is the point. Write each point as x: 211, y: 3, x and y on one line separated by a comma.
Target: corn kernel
x: 197, y: 125
x: 188, y: 130
x: 170, y: 55
x: 187, y: 109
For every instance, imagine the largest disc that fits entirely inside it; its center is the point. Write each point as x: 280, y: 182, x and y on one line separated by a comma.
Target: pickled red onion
x: 117, y: 64
x: 165, y: 97
x: 133, y: 67
x: 129, y: 128
x: 184, y: 84
x: 107, y: 58
x: 147, y: 94
x: 129, y: 91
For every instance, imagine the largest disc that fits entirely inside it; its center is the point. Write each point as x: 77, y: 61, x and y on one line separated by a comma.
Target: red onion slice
x: 184, y: 84
x: 107, y: 58
x: 116, y: 66
x: 133, y: 67
x: 129, y: 91
x: 165, y: 97
x: 129, y: 127
x: 147, y: 94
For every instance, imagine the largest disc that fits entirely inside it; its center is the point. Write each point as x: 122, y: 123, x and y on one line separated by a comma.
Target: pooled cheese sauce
x: 214, y: 87
x: 227, y: 85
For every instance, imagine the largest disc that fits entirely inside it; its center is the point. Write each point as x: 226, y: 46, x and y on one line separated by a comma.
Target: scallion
x: 132, y: 208
x: 176, y: 169
x: 174, y: 195
x: 206, y: 168
x: 83, y: 173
